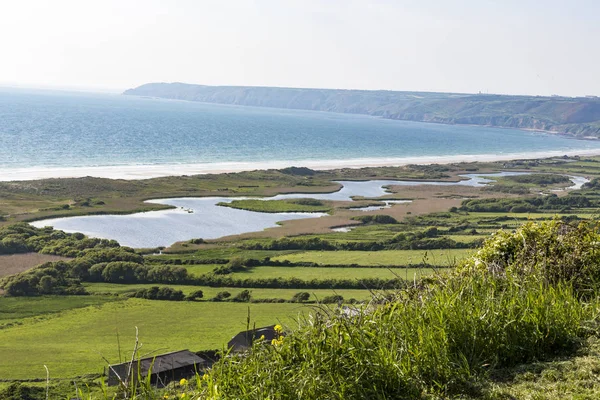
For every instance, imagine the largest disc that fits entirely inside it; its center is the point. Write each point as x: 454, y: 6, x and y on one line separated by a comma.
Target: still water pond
x: 202, y: 218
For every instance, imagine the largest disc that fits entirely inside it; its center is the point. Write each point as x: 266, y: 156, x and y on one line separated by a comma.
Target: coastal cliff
x: 579, y: 117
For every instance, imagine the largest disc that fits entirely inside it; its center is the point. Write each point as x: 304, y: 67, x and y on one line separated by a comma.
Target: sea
x: 52, y: 134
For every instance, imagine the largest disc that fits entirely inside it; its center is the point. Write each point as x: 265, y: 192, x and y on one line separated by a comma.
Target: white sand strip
x: 153, y: 171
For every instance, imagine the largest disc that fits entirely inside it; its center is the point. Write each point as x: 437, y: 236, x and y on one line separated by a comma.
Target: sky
x: 539, y: 47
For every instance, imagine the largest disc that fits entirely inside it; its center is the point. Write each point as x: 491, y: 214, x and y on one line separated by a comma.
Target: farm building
x: 243, y: 340
x: 163, y: 368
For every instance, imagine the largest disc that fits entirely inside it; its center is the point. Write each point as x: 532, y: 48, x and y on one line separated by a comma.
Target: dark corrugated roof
x: 244, y: 339
x: 165, y: 362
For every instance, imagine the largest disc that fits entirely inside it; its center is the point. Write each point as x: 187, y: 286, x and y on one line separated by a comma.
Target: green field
x: 213, y: 253
x: 467, y: 238
x: 13, y: 309
x: 72, y: 343
x: 308, y: 273
x: 445, y: 257
x: 200, y: 269
x: 210, y: 292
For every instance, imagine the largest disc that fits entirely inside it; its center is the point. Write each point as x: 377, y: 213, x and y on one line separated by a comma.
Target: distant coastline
x: 574, y: 116
x: 136, y: 172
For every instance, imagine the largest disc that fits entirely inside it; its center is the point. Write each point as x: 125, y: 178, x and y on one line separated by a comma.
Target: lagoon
x: 203, y: 218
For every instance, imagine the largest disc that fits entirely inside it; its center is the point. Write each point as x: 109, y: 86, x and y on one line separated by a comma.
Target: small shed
x: 243, y: 340
x: 163, y: 368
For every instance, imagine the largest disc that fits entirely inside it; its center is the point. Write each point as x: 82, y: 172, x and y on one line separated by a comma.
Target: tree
x: 46, y: 284
x: 124, y: 272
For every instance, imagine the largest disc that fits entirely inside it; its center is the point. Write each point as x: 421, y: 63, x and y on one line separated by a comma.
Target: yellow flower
x: 278, y: 328
x: 205, y: 377
x: 261, y: 338
x: 183, y: 395
x: 277, y: 342
x: 183, y: 382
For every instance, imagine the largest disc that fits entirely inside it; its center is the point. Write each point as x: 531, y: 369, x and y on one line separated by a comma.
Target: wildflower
x: 278, y: 328
x: 205, y: 377
x: 183, y: 382
x: 277, y: 341
x: 261, y: 338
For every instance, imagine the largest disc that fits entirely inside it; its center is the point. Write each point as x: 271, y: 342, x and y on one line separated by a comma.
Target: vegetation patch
x: 376, y: 219
x: 538, y: 179
x: 551, y: 202
x: 279, y: 206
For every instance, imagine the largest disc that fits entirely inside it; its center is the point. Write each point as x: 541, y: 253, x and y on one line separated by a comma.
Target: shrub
x: 336, y: 298
x: 549, y: 252
x: 222, y: 296
x: 301, y: 297
x: 242, y: 297
x: 159, y: 293
x: 195, y: 295
x: 124, y: 272
x: 376, y: 219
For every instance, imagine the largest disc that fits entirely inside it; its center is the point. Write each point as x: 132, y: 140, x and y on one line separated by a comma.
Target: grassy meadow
x: 73, y: 342
x: 444, y: 257
x: 14, y: 309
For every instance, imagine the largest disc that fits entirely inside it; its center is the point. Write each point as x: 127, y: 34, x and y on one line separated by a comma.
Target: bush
x: 376, y: 219
x: 222, y: 296
x: 124, y: 272
x: 195, y: 295
x: 301, y: 297
x: 334, y: 299
x: 548, y: 252
x: 159, y: 293
x: 242, y: 297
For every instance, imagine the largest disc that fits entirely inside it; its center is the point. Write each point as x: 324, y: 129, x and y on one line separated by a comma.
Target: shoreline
x: 139, y: 172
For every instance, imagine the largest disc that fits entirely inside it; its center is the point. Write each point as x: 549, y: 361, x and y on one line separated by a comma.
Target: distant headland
x: 576, y: 116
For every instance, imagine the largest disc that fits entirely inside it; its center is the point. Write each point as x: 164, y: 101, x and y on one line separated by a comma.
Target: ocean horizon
x: 50, y: 134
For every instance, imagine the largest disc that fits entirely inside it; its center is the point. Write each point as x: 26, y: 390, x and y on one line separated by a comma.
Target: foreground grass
x: 73, y: 342
x: 574, y: 377
x: 413, y: 347
x: 445, y: 257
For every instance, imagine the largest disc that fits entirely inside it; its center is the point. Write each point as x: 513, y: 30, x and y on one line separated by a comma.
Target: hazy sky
x: 502, y: 46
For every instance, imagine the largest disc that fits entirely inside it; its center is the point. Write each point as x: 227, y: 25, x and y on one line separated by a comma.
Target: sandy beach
x: 153, y: 171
